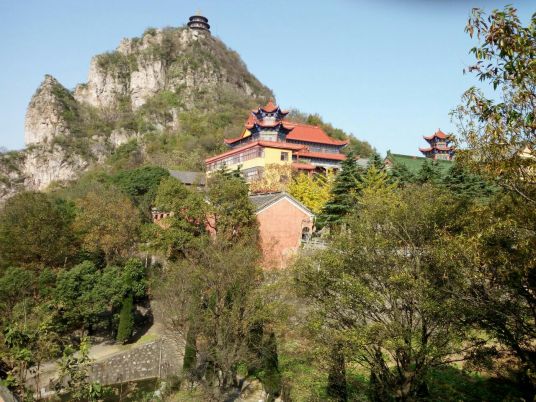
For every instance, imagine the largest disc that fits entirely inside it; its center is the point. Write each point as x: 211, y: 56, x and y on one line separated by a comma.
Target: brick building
x: 284, y: 223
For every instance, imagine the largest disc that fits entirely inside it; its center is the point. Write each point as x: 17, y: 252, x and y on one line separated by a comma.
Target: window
x: 284, y: 156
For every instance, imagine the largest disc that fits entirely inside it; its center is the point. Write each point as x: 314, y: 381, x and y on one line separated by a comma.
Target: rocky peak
x: 46, y: 116
x: 179, y: 60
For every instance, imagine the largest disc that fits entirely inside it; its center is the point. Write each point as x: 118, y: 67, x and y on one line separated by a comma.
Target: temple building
x: 199, y: 22
x: 269, y: 138
x: 439, y: 146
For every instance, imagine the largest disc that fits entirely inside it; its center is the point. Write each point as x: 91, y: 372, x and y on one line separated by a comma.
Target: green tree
x: 141, y: 185
x: 498, y: 249
x: 429, y: 173
x: 74, y: 371
x: 387, y: 287
x: 376, y: 160
x: 231, y: 214
x: 500, y: 129
x: 35, y: 231
x: 376, y: 180
x: 466, y: 184
x: 401, y: 175
x: 500, y: 132
x: 212, y: 294
x: 343, y: 193
x: 185, y: 227
x: 126, y: 320
x: 87, y: 297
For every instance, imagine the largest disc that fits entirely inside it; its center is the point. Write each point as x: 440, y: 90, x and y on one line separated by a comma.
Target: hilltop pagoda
x: 199, y: 22
x: 270, y: 138
x: 439, y: 146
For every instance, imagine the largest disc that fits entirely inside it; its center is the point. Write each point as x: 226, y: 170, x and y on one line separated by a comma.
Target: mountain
x: 168, y: 98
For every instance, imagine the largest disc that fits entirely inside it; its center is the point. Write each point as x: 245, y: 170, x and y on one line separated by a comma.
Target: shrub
x: 126, y: 320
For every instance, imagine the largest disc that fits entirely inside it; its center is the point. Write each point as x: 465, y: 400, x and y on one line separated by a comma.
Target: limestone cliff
x: 143, y: 87
x: 45, y: 117
x: 182, y: 61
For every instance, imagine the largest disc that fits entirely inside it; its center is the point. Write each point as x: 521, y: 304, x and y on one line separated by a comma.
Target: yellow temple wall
x: 271, y: 156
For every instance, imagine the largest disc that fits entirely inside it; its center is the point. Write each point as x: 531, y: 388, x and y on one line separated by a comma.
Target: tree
x: 500, y: 131
x: 498, y: 249
x: 107, y: 222
x: 87, y: 297
x: 126, y: 320
x: 375, y: 181
x: 212, y: 294
x: 429, y: 173
x: 74, y: 375
x: 35, y: 231
x: 401, y: 175
x: 376, y: 161
x: 463, y: 183
x: 231, y: 215
x: 275, y: 178
x: 313, y: 191
x: 186, y: 225
x: 141, y: 184
x: 387, y: 286
x: 343, y: 193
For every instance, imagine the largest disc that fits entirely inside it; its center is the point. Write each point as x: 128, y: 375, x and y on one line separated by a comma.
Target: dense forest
x: 425, y: 289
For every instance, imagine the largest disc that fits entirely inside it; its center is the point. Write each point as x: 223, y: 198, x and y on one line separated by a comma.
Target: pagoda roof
x: 270, y: 107
x: 439, y: 134
x: 268, y: 144
x: 298, y: 132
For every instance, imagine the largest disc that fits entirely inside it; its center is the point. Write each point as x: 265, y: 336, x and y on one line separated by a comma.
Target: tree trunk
x: 337, y: 389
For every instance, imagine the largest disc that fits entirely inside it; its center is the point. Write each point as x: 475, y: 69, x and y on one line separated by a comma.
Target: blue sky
x: 387, y: 71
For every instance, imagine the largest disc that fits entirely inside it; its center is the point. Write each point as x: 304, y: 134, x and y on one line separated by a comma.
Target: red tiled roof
x: 321, y: 155
x: 439, y: 134
x: 269, y: 144
x: 270, y: 107
x: 307, y: 133
x: 302, y: 166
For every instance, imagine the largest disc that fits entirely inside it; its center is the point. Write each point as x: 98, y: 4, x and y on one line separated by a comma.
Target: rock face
x: 176, y: 60
x: 146, y: 82
x: 43, y: 166
x: 45, y: 115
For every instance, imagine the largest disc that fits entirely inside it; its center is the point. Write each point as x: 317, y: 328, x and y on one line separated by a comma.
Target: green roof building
x: 414, y: 163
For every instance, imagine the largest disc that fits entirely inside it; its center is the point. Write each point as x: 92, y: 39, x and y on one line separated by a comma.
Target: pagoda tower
x: 439, y: 146
x: 199, y: 23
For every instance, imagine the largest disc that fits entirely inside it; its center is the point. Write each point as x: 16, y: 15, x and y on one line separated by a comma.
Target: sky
x: 387, y: 71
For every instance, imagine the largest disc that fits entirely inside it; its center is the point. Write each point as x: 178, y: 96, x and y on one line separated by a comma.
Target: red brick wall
x: 280, y: 228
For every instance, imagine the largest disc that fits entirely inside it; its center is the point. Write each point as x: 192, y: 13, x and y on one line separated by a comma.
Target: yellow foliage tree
x: 107, y: 221
x: 312, y: 190
x: 275, y: 178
